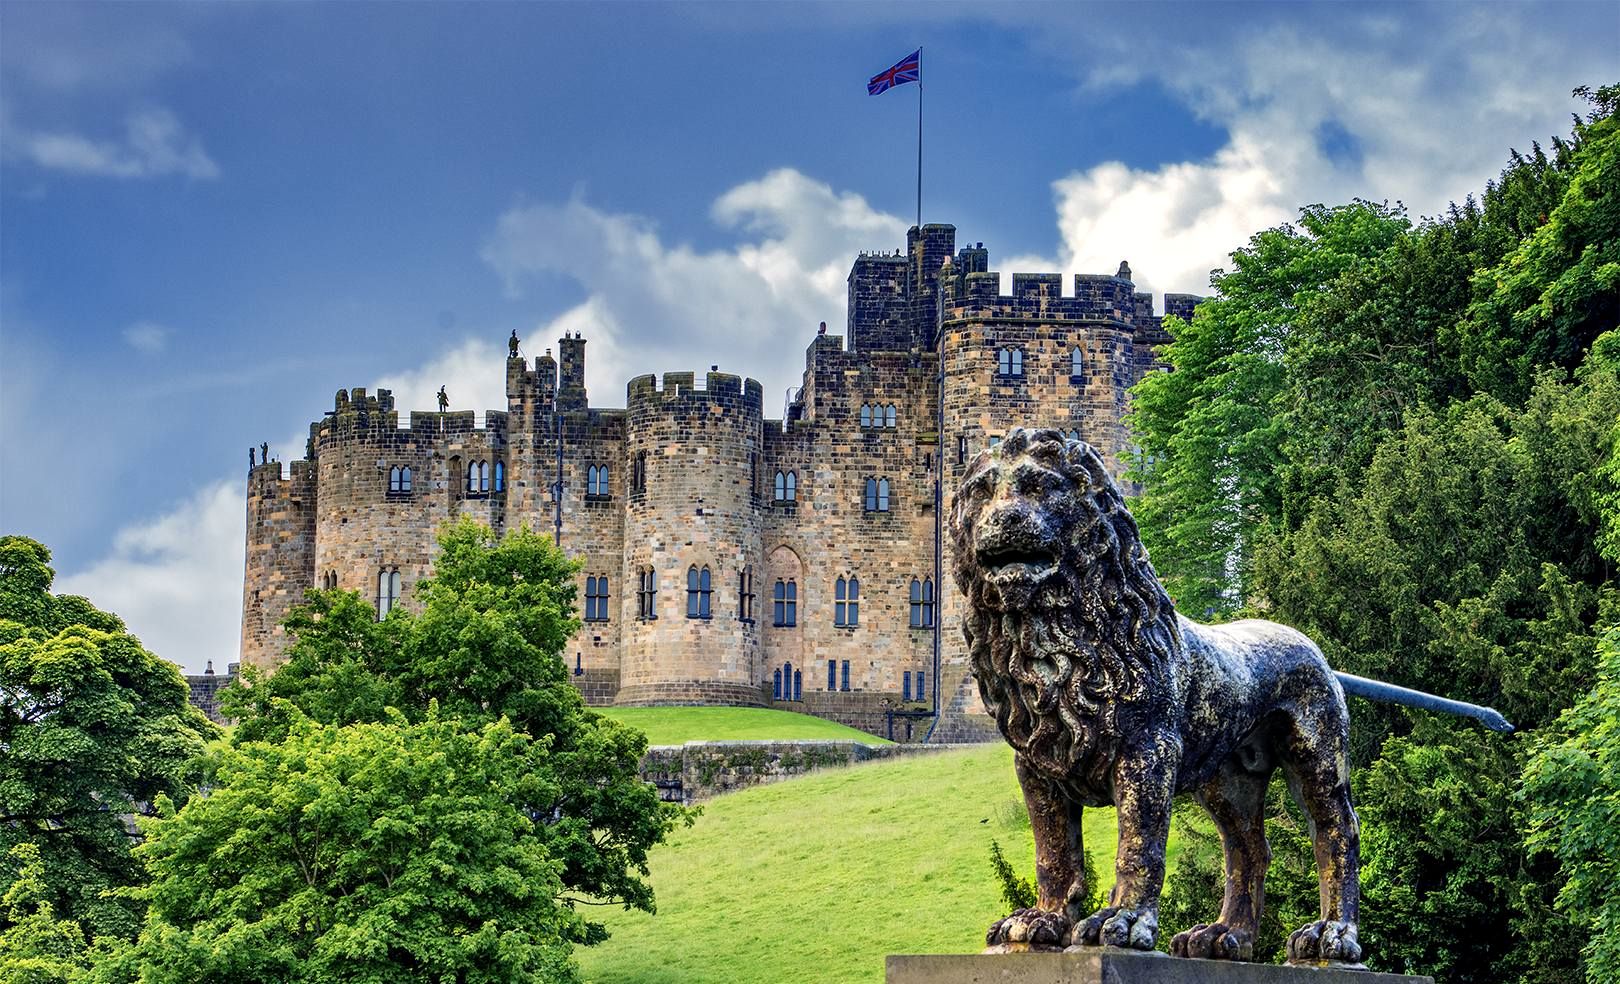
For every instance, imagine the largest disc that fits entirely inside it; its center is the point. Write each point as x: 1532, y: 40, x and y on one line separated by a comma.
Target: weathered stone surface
x: 700, y: 770
x: 1109, y: 965
x: 711, y: 457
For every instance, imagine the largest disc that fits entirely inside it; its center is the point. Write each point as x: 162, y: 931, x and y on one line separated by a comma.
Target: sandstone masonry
x: 729, y: 558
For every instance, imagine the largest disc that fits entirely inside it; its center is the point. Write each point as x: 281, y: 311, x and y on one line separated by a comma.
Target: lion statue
x: 1109, y: 697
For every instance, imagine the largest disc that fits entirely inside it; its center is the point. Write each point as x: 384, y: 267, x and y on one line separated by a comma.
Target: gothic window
x: 961, y: 449
x: 847, y: 602
x: 787, y: 486
x: 798, y: 685
x: 832, y: 675
x: 500, y: 476
x: 388, y: 589
x: 596, y: 480
x: 844, y: 682
x: 785, y: 603
x: 638, y: 473
x: 472, y: 476
x: 922, y: 603
x: 646, y: 593
x: 866, y: 415
x: 1010, y: 362
x: 905, y: 685
x: 596, y: 599
x: 877, y: 495
x: 329, y: 580
x: 921, y: 690
x: 1077, y: 363
x: 399, y: 478
x: 776, y: 684
x: 699, y: 591
x: 745, y: 594
x: 888, y: 415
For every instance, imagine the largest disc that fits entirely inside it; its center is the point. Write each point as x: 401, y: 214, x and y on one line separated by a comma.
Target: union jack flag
x: 909, y: 69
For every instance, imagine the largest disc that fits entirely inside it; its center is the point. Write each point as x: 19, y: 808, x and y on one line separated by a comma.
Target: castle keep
x: 728, y: 558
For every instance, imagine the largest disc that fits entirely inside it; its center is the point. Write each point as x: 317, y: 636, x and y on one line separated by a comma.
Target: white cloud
x: 473, y: 374
x: 155, y: 144
x: 176, y: 580
x: 147, y: 336
x: 654, y: 306
x: 1427, y: 116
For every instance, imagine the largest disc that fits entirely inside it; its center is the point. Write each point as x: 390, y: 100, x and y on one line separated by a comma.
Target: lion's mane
x: 1101, y: 633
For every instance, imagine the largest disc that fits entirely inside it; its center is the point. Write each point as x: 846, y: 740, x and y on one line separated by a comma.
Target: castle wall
x: 708, y: 499
x: 697, y: 511
x: 280, y: 557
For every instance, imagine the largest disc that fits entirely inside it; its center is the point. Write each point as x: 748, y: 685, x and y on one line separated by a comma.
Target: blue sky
x: 214, y: 216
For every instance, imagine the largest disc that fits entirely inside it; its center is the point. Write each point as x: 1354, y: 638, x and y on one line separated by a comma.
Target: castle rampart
x: 824, y: 591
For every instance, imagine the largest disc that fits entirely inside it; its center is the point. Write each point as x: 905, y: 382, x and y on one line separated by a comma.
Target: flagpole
x: 919, y: 139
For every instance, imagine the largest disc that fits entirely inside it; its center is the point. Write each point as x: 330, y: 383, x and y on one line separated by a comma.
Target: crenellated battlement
x: 721, y: 387
x: 1040, y: 295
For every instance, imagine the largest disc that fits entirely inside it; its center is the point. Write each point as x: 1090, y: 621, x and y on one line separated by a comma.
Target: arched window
x: 1077, y: 362
x: 798, y: 685
x: 787, y: 681
x: 844, y: 683
x: 792, y: 486
x: 399, y: 478
x: 500, y: 476
x: 847, y: 601
x: 388, y: 590
x: 866, y: 415
x: 785, y: 603
x: 1010, y: 362
x: 699, y: 591
x: 832, y: 675
x: 646, y: 593
x: 889, y: 415
x: 745, y: 594
x: 781, y: 487
x: 596, y: 599
x: 483, y: 476
x: 922, y: 691
x: 596, y: 480
x: 776, y: 684
x: 472, y: 476
x: 405, y: 479
x: 922, y: 603
x: 905, y: 685
x: 877, y: 495
x: 638, y: 473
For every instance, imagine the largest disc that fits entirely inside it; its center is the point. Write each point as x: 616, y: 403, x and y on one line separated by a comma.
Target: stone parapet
x: 1109, y: 965
x: 700, y: 770
x: 666, y: 693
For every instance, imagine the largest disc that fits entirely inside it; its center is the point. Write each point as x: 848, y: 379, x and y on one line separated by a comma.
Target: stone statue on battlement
x: 512, y: 345
x: 250, y: 457
x: 444, y: 400
x: 264, y: 453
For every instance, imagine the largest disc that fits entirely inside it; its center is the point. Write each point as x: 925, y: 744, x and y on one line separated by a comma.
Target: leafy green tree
x: 36, y: 947
x: 485, y: 645
x: 94, y: 727
x: 1572, y: 786
x: 1212, y: 427
x: 1548, y: 300
x: 375, y: 852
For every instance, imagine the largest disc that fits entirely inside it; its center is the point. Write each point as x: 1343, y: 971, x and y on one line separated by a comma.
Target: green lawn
x: 678, y: 725
x: 816, y: 879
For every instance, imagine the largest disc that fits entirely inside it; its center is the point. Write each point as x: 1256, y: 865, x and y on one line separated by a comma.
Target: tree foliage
x: 484, y: 647
x: 375, y: 852
x: 1572, y: 785
x: 1421, y: 469
x: 94, y: 727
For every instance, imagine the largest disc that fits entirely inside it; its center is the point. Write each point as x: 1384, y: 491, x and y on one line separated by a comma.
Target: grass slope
x: 678, y: 725
x: 816, y: 879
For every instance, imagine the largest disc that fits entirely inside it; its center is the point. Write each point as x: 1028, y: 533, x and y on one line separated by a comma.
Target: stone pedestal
x: 1108, y: 965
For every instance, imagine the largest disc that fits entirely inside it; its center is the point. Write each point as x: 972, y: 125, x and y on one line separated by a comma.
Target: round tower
x: 692, y: 540
x: 280, y: 564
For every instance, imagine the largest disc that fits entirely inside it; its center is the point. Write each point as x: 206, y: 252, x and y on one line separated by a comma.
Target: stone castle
x: 728, y: 558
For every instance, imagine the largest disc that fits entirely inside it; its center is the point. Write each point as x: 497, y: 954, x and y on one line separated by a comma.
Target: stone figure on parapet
x: 512, y: 345
x: 1124, y: 271
x: 250, y: 457
x: 264, y: 453
x: 1108, y: 696
x: 444, y: 400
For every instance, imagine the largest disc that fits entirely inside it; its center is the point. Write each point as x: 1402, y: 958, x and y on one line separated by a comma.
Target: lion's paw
x: 1214, y: 941
x: 1324, y: 940
x: 1036, y: 927
x: 1115, y: 926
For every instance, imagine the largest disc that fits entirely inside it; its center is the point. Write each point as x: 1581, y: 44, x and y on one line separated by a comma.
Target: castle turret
x: 280, y: 557
x: 571, y: 378
x: 691, y: 531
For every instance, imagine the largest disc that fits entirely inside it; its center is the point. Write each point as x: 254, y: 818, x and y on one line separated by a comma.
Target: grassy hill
x: 818, y: 878
x: 678, y: 725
